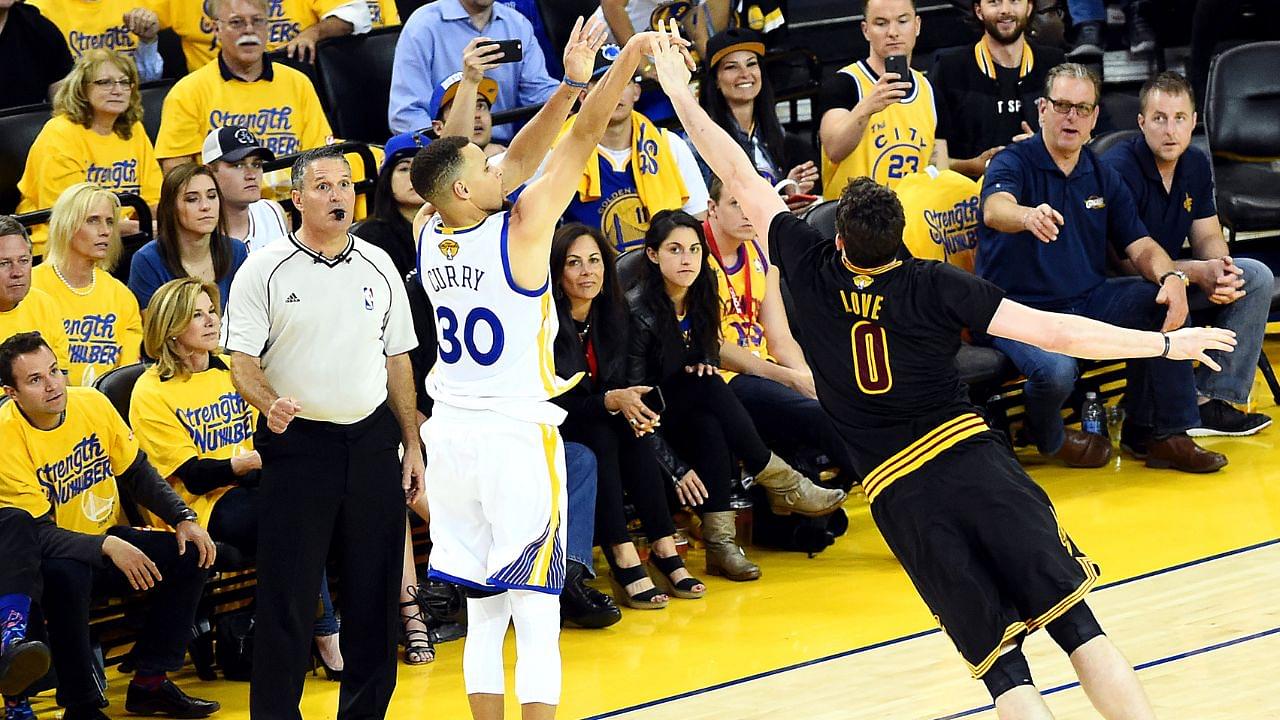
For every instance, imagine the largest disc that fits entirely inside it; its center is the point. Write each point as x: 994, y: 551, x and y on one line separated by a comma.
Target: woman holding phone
x: 617, y: 422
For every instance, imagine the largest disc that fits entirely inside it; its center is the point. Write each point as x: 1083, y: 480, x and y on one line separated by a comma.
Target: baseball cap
x: 732, y: 40
x: 448, y: 88
x: 402, y: 146
x: 604, y: 59
x: 232, y: 144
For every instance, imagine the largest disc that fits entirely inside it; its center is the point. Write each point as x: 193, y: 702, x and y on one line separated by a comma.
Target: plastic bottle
x: 1093, y: 417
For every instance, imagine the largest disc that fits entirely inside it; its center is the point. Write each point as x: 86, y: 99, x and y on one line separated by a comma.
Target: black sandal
x: 664, y: 567
x: 620, y: 578
x: 417, y: 643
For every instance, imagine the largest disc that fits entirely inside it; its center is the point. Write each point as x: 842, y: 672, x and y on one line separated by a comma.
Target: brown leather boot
x: 724, y: 557
x: 1180, y: 452
x: 1084, y: 450
x: 791, y: 492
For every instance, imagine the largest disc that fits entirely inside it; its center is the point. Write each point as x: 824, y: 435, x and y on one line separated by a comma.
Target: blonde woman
x: 197, y: 430
x: 100, y: 315
x: 95, y: 135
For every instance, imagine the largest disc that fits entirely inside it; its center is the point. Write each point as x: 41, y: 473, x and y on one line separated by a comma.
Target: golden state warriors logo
x: 1186, y: 203
x: 624, y: 219
x: 449, y: 248
x: 862, y: 282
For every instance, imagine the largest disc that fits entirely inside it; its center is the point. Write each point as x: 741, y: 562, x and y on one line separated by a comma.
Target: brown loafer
x: 1180, y: 452
x: 1084, y: 450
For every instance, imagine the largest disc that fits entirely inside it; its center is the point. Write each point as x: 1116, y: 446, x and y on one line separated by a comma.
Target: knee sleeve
x: 537, y: 619
x: 1074, y: 628
x: 1009, y: 671
x: 487, y: 621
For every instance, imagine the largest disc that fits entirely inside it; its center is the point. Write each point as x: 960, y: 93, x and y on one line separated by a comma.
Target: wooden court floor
x: 1190, y: 592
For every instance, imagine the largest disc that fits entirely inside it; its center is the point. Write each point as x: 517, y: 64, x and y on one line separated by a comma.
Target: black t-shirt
x: 882, y: 343
x: 34, y: 55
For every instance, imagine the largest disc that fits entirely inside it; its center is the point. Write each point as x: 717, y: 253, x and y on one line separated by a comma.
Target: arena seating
x: 354, y: 83
x: 18, y: 129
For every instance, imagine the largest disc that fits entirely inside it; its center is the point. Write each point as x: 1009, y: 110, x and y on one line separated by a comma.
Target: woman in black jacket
x: 613, y: 420
x: 674, y: 345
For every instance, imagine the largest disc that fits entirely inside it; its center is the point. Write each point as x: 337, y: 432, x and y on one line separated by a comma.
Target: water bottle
x: 1093, y: 418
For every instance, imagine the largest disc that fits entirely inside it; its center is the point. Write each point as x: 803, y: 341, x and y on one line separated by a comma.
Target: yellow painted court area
x: 1209, y: 631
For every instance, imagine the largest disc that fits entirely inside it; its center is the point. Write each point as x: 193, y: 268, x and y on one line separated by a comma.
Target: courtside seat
x: 353, y: 80
x: 18, y: 129
x: 1242, y: 104
x: 1102, y: 143
x: 630, y: 264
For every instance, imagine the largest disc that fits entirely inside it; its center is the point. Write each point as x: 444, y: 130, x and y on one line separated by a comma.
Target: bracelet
x: 1165, y: 354
x: 574, y: 83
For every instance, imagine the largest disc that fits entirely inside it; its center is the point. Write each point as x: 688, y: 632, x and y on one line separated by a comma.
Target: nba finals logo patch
x: 448, y: 248
x: 862, y: 282
x: 1186, y: 203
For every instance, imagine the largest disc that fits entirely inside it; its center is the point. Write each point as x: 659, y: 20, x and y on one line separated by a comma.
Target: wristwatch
x: 1176, y: 273
x: 187, y: 514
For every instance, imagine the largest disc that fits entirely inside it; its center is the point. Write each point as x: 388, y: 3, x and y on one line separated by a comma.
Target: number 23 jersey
x: 495, y: 338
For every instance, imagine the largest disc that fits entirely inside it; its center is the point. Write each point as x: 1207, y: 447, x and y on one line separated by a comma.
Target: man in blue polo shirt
x: 1049, y: 212
x: 1172, y: 185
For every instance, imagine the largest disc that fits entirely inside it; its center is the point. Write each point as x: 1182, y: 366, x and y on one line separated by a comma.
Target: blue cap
x: 604, y: 60
x: 402, y: 146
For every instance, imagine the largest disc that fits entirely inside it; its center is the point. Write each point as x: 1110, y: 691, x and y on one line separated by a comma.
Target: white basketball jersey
x: 495, y: 338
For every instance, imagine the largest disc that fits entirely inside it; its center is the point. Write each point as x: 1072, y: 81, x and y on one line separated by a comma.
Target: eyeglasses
x: 239, y: 23
x: 108, y: 83
x: 1062, y: 107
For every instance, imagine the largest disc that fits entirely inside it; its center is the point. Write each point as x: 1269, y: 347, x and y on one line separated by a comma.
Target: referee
x: 319, y: 329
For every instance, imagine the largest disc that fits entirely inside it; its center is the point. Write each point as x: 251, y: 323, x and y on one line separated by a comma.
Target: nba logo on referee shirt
x: 368, y: 298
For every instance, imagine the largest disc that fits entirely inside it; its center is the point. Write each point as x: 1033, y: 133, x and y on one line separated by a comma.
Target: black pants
x: 707, y: 425
x: 234, y: 520
x: 623, y: 465
x: 790, y: 421
x: 326, y: 484
x: 70, y: 587
x: 20, y: 548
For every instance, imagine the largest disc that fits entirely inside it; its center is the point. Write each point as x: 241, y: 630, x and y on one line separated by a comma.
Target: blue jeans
x: 327, y: 623
x: 789, y: 420
x: 1159, y: 394
x: 1248, y: 318
x: 580, y: 477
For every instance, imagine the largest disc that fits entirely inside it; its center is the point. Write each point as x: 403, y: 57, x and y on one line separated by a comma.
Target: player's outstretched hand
x: 671, y: 60
x: 580, y: 52
x: 1192, y: 343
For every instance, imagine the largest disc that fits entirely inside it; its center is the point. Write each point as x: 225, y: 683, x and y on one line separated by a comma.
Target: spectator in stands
x: 23, y: 308
x: 1050, y: 211
x: 628, y: 17
x: 986, y: 94
x: 30, y: 41
x: 638, y: 169
x: 78, y: 447
x: 236, y: 156
x: 1089, y: 17
x: 466, y: 90
x: 760, y: 360
x: 22, y: 661
x: 612, y: 419
x: 1172, y: 185
x: 198, y: 432
x: 675, y: 345
x: 191, y: 240
x: 95, y: 136
x: 129, y: 27
x: 242, y: 88
x: 739, y: 97
x: 875, y: 123
x: 431, y: 48
x: 99, y: 314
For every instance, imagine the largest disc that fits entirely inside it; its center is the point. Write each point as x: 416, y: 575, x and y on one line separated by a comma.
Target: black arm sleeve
x: 666, y: 457
x: 206, y: 475
x: 582, y: 405
x: 56, y: 542
x: 144, y: 485
x: 639, y: 345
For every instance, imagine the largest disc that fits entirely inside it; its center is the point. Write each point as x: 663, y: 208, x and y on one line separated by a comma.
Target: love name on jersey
x: 93, y: 339
x: 865, y: 304
x: 227, y: 421
x: 455, y: 276
x: 85, y: 466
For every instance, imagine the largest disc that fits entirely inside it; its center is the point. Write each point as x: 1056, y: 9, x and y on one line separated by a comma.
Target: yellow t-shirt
x: 91, y: 24
x: 383, y: 13
x: 897, y: 141
x: 41, y: 313
x: 202, y: 416
x: 286, y: 19
x: 283, y: 111
x: 65, y: 153
x: 942, y: 216
x: 740, y: 309
x: 104, y: 326
x: 71, y: 468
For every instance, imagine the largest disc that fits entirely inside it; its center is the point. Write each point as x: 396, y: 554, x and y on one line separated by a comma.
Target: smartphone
x: 512, y: 50
x: 898, y: 64
x: 654, y: 400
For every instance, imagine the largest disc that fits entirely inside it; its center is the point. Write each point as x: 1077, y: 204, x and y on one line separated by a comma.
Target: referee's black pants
x: 327, y: 484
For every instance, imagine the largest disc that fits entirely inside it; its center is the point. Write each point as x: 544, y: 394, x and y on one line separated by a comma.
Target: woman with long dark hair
x: 613, y: 420
x: 675, y: 345
x: 190, y: 239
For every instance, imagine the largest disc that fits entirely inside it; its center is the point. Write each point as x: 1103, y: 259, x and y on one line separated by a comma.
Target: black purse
x: 233, y: 644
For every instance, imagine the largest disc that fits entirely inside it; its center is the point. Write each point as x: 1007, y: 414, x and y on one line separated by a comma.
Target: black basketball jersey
x: 882, y: 344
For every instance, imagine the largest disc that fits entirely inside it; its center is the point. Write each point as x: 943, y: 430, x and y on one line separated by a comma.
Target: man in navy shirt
x: 1172, y: 186
x: 1049, y: 211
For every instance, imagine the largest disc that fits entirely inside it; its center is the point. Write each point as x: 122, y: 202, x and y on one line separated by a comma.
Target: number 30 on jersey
x: 450, y: 347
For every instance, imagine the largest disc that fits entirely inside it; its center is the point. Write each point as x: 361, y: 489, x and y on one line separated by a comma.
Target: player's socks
x: 537, y: 618
x: 487, y: 621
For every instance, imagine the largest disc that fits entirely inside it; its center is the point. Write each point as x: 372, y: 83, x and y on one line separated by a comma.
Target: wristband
x: 1165, y: 354
x: 574, y: 83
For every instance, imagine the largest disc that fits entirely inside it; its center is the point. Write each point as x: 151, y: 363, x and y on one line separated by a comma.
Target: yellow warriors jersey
x: 942, y: 216
x: 71, y: 469
x: 91, y: 24
x: 494, y: 337
x: 201, y: 416
x: 102, y: 322
x: 741, y: 285
x: 40, y: 313
x: 896, y: 142
x: 190, y: 20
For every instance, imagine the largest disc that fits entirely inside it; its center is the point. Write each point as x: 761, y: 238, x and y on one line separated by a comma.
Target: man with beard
x: 986, y: 93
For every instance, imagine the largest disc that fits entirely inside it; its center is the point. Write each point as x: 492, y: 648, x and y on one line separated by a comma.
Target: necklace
x: 93, y: 282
